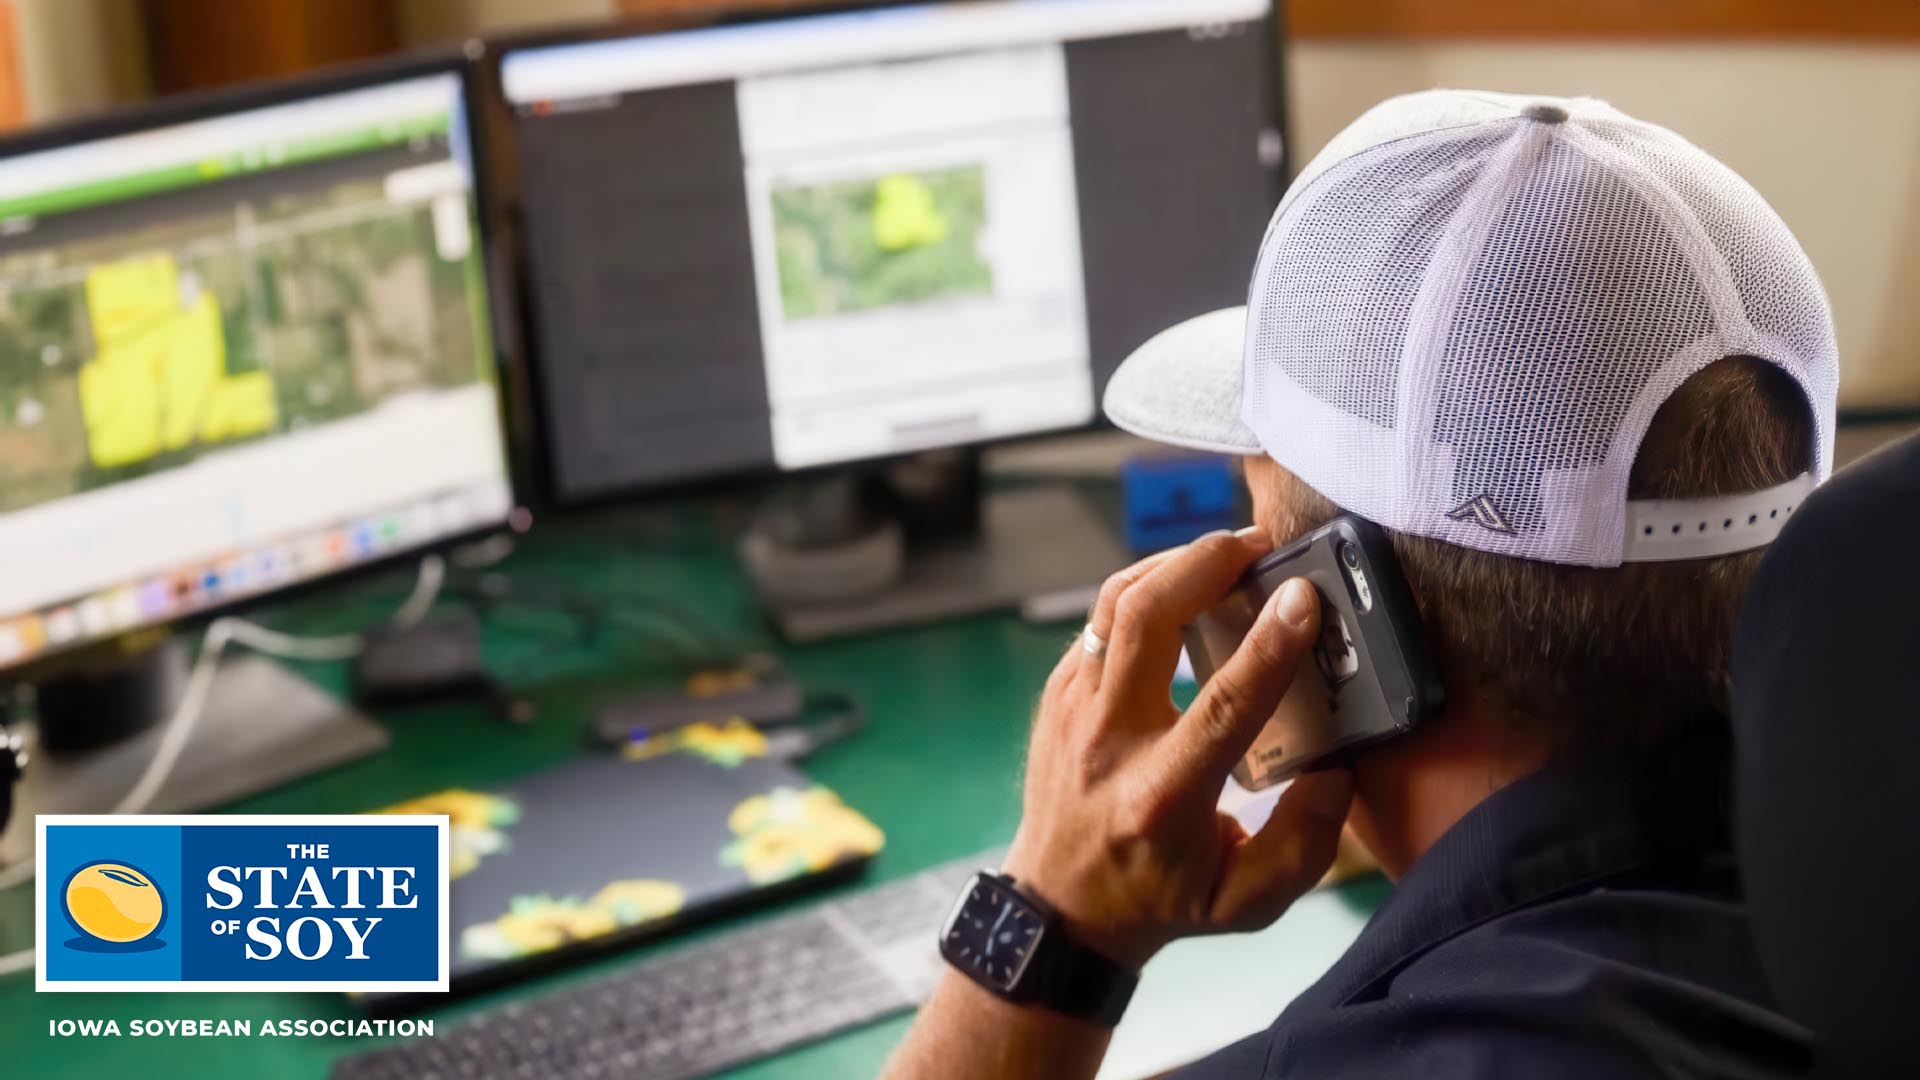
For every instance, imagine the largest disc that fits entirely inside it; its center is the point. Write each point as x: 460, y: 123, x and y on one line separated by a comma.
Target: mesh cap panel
x: 1776, y: 283
x: 1352, y: 363
x: 1463, y: 333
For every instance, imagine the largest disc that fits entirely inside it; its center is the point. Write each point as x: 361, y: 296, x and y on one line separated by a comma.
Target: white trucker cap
x: 1468, y: 308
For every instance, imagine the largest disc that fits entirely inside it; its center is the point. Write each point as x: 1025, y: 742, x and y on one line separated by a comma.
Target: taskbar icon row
x: 252, y: 571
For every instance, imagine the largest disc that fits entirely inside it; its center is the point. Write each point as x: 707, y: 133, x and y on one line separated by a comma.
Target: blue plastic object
x: 1172, y: 499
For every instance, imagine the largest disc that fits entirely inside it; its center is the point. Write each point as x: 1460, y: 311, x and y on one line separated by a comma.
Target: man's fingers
x: 1063, y: 670
x: 1143, y: 647
x: 1101, y: 617
x: 1241, y: 696
x: 1268, y: 871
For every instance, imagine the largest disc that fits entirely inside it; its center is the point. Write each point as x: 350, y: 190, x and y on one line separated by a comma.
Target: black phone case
x: 1371, y: 677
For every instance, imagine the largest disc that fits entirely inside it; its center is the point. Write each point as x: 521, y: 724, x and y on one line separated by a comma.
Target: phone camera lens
x: 1350, y: 555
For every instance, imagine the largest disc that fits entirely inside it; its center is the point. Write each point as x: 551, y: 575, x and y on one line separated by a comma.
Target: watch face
x: 992, y: 933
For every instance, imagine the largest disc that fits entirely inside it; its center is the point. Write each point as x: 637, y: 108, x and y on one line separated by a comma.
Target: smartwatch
x: 1018, y: 950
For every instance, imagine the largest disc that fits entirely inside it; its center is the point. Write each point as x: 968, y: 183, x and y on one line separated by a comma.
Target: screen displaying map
x: 136, y: 351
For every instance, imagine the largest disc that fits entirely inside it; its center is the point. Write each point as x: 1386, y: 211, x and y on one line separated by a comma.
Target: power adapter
x: 436, y: 659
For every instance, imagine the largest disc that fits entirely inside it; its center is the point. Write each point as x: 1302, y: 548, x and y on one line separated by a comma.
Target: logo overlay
x: 242, y: 902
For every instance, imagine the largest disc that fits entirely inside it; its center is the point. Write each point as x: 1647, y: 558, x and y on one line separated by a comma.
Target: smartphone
x: 1371, y: 676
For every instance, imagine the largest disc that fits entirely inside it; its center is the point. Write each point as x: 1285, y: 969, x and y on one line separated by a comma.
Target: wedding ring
x: 1094, y: 644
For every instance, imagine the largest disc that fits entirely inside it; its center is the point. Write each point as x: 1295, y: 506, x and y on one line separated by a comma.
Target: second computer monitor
x: 821, y: 239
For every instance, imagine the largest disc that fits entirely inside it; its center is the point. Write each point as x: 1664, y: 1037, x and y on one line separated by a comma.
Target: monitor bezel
x: 544, y: 491
x: 463, y: 62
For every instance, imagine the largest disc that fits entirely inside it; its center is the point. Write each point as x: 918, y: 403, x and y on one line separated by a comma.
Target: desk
x: 937, y: 768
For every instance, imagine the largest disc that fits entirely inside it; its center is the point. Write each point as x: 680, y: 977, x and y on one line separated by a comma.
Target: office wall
x: 442, y: 20
x: 80, y: 56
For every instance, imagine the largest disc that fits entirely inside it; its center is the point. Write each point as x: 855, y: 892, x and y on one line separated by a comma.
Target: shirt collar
x: 1595, y: 811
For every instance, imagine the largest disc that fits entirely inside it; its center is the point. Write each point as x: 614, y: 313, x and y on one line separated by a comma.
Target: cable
x: 484, y: 553
x: 186, y: 714
x: 193, y: 699
x: 606, y: 617
x: 426, y: 589
x: 811, y: 732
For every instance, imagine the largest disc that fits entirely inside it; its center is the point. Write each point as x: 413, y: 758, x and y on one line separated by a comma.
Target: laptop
x: 607, y: 852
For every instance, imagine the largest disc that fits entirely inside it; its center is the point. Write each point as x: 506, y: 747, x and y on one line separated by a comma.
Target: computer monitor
x: 244, y: 345
x: 818, y: 239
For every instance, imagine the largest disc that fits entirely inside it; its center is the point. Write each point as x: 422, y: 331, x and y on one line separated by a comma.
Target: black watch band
x: 1079, y: 982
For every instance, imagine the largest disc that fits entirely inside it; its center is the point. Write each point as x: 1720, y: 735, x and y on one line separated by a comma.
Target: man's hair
x: 1629, y: 649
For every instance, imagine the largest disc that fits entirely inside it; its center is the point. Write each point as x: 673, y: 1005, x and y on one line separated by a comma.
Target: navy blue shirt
x: 1585, y: 921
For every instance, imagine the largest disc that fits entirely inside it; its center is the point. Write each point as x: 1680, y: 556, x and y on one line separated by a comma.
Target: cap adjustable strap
x: 1665, y: 530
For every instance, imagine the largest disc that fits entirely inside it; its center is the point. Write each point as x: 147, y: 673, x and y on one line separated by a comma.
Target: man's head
x: 1578, y: 370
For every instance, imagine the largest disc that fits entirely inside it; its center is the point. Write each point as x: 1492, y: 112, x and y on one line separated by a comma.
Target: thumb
x: 1264, y: 874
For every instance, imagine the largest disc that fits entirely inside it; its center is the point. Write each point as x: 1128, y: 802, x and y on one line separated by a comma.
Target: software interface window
x: 916, y: 252
x: 827, y: 239
x: 235, y: 353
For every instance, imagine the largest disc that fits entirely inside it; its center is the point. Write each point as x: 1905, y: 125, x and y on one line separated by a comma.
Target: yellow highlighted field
x: 905, y: 214
x: 159, y: 379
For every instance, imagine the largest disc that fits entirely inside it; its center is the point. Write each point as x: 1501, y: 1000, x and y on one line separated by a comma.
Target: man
x: 1581, y: 373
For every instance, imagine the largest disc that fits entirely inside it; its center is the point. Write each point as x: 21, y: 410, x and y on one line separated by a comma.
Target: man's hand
x: 1120, y: 833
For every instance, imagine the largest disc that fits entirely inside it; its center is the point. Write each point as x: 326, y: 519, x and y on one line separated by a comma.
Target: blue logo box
x: 242, y: 902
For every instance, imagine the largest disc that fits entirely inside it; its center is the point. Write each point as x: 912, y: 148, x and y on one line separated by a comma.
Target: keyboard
x: 720, y: 1002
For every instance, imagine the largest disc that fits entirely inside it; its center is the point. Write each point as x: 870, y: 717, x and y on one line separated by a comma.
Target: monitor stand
x: 263, y: 726
x: 1039, y: 549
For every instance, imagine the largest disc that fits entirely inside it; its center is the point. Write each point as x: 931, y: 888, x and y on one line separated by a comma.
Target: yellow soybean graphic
x: 158, y: 380
x: 114, y: 902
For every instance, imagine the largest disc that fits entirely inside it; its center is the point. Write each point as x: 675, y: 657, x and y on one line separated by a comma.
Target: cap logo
x: 1483, y: 512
